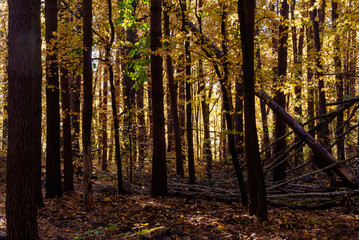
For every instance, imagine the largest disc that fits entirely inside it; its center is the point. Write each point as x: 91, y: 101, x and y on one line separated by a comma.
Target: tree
x: 256, y: 185
x: 173, y: 98
x: 53, y: 164
x: 159, y: 172
x: 116, y: 124
x: 87, y: 106
x: 280, y: 127
x: 24, y: 114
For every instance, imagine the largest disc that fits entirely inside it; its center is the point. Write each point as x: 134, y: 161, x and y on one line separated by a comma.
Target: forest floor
x: 136, y: 216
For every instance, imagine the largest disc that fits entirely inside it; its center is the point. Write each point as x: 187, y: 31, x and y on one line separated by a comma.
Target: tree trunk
x: 173, y: 101
x: 53, y: 164
x: 188, y: 86
x: 66, y: 129
x: 116, y: 124
x: 159, y: 172
x: 323, y: 135
x: 87, y: 107
x: 338, y: 83
x: 256, y: 185
x: 24, y: 114
x: 280, y: 127
x: 104, y: 123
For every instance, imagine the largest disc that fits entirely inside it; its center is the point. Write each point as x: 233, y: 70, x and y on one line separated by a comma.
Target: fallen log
x: 324, y: 158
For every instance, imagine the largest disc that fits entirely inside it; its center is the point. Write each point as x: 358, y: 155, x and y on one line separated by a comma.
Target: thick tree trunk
x: 159, y: 172
x: 256, y: 185
x: 24, y: 114
x: 53, y: 164
x: 324, y: 158
x: 87, y: 107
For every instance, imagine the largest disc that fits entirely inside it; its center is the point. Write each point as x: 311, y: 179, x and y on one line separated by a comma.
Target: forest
x: 179, y: 119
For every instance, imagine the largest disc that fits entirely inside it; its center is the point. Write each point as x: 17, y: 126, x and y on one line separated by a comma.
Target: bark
x: 310, y: 100
x: 280, y: 127
x: 173, y: 101
x: 116, y: 124
x: 188, y: 92
x: 66, y: 128
x: 256, y: 185
x: 24, y: 114
x: 159, y: 172
x: 318, y: 18
x: 104, y: 123
x: 87, y: 107
x: 324, y: 158
x: 338, y: 83
x: 53, y: 164
x: 142, y: 133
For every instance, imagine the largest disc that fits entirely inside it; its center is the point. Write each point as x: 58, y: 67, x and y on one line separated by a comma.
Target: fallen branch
x: 324, y: 157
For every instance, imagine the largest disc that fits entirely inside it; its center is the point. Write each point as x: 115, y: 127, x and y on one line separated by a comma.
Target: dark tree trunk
x: 87, y: 107
x: 53, y: 164
x: 173, y: 101
x: 256, y: 185
x: 116, y: 123
x: 159, y: 172
x: 188, y: 86
x: 280, y: 127
x: 239, y: 119
x: 104, y: 124
x: 323, y: 135
x: 310, y: 100
x: 66, y: 113
x: 24, y: 113
x: 338, y: 83
x: 142, y: 133
x: 66, y: 129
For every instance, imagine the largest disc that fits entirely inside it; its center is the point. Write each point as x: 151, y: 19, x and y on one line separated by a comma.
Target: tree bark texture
x: 24, y: 113
x: 87, y: 106
x: 159, y: 172
x: 53, y: 163
x: 66, y: 129
x: 280, y: 127
x: 256, y: 185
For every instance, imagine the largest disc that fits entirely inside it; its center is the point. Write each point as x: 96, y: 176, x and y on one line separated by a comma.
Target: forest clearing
x: 183, y: 119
